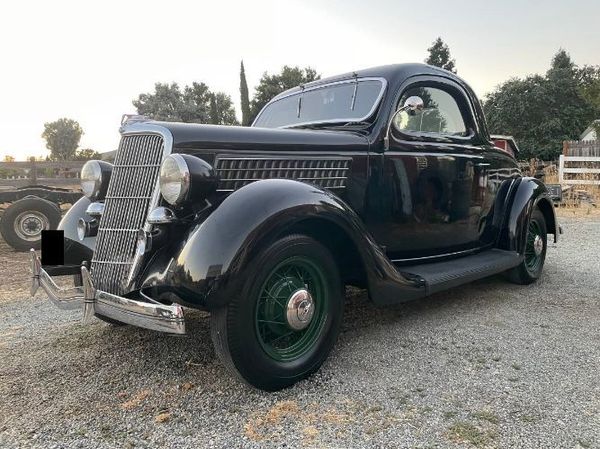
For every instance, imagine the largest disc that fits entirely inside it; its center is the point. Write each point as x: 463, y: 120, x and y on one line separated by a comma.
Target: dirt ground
x: 487, y: 365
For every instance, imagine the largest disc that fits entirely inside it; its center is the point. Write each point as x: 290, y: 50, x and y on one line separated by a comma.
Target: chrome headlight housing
x: 174, y: 179
x: 94, y: 179
x: 186, y: 178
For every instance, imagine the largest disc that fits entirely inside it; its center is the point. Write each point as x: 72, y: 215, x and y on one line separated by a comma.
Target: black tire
x: 236, y: 330
x: 23, y: 221
x: 528, y: 272
x: 78, y: 281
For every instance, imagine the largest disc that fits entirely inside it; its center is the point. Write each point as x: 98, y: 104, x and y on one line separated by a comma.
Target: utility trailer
x: 27, y: 207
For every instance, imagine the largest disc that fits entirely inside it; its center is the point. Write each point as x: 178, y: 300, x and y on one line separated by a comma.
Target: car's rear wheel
x: 24, y: 220
x: 530, y: 269
x: 284, y: 323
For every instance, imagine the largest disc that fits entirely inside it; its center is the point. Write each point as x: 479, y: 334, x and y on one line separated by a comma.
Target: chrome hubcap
x: 300, y: 309
x: 538, y: 245
x: 29, y: 225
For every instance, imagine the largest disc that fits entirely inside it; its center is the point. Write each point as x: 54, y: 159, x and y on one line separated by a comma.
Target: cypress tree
x: 244, y: 98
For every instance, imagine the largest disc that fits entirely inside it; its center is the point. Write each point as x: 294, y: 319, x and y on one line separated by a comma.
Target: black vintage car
x: 384, y: 178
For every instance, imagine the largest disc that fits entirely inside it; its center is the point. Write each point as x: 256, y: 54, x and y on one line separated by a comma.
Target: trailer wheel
x: 23, y: 222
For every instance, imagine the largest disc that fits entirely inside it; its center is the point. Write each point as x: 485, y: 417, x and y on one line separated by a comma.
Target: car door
x: 432, y: 177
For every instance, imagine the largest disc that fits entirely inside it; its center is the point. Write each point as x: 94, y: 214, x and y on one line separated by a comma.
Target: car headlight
x: 186, y: 178
x: 94, y: 179
x: 174, y: 179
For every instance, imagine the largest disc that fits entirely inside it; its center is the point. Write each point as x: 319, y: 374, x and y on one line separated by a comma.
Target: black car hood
x: 190, y: 137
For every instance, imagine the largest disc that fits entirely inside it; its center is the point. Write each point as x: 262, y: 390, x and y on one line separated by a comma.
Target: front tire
x: 284, y: 323
x: 530, y: 269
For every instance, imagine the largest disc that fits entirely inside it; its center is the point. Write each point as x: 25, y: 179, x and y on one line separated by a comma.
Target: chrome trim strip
x: 439, y: 256
x: 322, y: 86
x: 154, y: 316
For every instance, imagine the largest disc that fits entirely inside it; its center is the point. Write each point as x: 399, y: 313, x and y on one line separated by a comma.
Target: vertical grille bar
x: 128, y: 199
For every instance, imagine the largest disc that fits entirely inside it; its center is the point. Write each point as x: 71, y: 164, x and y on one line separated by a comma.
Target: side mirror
x: 412, y: 105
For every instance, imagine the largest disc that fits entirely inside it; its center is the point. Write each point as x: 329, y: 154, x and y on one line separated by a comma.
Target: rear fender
x: 212, y: 265
x: 529, y: 193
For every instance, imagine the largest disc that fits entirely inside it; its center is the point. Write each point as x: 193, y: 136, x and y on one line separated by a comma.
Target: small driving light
x: 86, y: 228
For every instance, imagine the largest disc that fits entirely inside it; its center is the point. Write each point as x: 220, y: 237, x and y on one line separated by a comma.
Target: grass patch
x: 465, y: 432
x: 528, y: 418
x: 486, y: 415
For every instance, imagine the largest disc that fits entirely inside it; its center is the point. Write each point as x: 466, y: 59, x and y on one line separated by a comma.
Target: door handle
x: 483, y: 164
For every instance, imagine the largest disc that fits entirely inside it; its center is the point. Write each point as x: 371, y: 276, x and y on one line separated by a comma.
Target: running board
x: 439, y: 276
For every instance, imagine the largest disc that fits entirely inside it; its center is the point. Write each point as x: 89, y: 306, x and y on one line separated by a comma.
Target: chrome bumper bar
x: 155, y: 316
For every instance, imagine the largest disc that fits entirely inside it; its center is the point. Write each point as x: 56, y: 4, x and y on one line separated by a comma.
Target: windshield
x: 343, y: 102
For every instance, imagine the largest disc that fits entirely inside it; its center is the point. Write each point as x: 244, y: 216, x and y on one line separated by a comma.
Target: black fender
x: 76, y: 251
x: 525, y: 195
x: 212, y: 264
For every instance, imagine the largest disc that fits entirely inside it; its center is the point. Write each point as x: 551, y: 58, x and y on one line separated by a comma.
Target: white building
x: 590, y: 132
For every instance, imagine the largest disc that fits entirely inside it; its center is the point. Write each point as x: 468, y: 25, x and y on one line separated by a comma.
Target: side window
x: 440, y: 115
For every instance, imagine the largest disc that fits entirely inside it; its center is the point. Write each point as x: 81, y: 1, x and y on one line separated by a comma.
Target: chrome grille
x: 130, y: 191
x: 236, y: 172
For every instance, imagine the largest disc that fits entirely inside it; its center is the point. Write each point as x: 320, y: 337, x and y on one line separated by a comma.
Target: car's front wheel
x: 283, y: 324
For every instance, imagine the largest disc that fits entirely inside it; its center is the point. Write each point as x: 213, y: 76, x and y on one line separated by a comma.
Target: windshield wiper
x: 322, y: 125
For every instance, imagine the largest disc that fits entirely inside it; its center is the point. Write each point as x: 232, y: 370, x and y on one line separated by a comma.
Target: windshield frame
x: 323, y: 86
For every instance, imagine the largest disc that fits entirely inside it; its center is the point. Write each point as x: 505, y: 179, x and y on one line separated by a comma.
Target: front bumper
x: 149, y: 315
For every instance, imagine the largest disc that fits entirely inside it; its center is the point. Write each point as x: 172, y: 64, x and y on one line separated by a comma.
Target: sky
x: 88, y: 60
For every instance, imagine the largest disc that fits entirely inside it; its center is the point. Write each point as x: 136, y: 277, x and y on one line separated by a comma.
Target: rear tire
x: 23, y: 222
x: 284, y: 323
x: 530, y: 269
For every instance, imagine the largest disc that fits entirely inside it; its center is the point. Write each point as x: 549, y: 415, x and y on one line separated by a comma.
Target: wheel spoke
x: 278, y: 339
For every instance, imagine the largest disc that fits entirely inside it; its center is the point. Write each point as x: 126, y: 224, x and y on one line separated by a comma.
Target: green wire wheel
x: 285, y: 320
x: 534, y: 252
x: 534, y: 247
x: 291, y: 308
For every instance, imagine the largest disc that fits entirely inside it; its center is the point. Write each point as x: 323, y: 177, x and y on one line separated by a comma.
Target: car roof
x: 393, y: 74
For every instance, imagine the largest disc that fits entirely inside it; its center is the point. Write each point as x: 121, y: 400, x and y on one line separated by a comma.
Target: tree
x: 589, y: 79
x: 86, y: 154
x: 439, y: 56
x: 222, y: 111
x: 244, y: 97
x: 9, y: 158
x: 541, y: 111
x: 62, y: 138
x: 192, y: 105
x: 272, y: 85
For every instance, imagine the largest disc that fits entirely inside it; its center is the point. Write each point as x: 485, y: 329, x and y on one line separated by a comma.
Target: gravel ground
x: 486, y: 365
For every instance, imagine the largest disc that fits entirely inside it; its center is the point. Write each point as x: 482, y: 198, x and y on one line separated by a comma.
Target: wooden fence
x: 20, y: 174
x: 580, y: 163
x: 583, y: 148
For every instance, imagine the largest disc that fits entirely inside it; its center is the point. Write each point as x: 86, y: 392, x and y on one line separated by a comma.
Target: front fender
x: 529, y: 193
x: 212, y: 265
x: 76, y: 251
